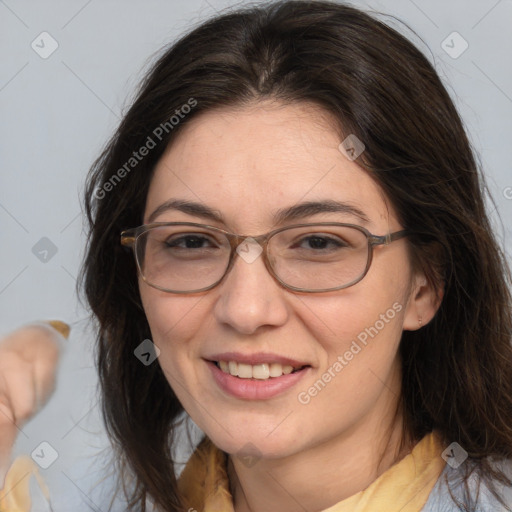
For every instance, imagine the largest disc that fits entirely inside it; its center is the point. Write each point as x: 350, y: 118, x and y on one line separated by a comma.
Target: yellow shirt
x: 204, y: 483
x: 15, y: 496
x: 405, y: 486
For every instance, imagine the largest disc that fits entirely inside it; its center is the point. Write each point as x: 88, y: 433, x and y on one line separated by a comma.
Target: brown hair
x: 457, y: 369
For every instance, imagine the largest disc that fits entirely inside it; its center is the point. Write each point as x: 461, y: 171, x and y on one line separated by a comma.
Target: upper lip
x: 257, y: 358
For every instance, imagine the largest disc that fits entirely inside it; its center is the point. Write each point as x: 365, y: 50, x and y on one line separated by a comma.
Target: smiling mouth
x: 261, y: 371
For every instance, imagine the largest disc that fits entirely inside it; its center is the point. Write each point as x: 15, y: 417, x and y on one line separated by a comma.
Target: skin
x: 245, y: 163
x: 28, y: 363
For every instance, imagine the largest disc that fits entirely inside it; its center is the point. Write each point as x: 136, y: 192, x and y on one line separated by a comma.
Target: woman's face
x: 246, y: 164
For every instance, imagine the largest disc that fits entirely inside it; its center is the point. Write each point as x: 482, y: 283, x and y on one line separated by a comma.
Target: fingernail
x: 61, y: 327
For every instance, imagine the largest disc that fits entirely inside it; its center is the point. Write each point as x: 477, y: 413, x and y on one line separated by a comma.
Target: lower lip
x: 255, y: 389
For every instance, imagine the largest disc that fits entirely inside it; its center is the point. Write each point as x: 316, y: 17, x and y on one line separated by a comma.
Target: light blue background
x: 56, y: 114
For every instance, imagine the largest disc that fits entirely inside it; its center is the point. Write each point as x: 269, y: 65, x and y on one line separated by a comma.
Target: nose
x: 249, y: 297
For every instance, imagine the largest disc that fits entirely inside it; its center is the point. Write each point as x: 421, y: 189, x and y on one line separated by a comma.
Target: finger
x: 45, y: 365
x: 19, y: 387
x: 32, y: 339
x: 44, y: 382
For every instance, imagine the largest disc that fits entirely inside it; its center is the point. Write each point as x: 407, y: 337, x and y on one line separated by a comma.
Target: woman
x: 278, y: 116
x: 349, y: 348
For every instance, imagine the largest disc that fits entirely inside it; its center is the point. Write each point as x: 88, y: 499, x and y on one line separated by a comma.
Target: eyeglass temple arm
x: 127, y: 238
x: 390, y: 237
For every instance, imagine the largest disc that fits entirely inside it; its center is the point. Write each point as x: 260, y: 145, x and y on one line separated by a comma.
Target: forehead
x: 251, y: 161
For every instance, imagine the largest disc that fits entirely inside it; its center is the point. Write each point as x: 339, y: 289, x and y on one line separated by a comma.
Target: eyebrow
x: 281, y: 216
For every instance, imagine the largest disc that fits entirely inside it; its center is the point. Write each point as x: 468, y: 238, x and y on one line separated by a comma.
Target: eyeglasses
x: 185, y: 257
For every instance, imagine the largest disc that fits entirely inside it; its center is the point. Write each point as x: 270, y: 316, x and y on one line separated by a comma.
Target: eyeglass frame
x: 129, y: 240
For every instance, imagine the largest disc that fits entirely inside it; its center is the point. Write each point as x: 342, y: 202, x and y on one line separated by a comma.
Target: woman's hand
x: 28, y: 363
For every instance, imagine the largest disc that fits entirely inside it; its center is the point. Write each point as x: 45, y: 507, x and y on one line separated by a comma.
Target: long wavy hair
x: 457, y: 369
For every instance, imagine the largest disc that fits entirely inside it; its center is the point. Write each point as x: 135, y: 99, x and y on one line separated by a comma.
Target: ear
x: 424, y: 301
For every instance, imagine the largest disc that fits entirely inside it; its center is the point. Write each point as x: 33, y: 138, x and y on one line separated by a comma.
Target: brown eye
x: 189, y: 242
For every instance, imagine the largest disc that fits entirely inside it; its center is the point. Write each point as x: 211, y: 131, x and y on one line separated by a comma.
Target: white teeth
x: 276, y: 370
x: 233, y: 368
x: 244, y: 371
x: 261, y: 371
x: 287, y: 369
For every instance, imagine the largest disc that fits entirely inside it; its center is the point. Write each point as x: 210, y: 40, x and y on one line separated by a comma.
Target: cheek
x: 359, y: 331
x: 360, y: 339
x: 174, y: 321
x: 356, y: 315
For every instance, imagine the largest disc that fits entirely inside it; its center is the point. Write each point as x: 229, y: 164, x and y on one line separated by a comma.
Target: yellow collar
x: 15, y: 496
x: 405, y: 486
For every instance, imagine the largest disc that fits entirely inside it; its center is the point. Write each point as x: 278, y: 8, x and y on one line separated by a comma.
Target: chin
x: 254, y: 441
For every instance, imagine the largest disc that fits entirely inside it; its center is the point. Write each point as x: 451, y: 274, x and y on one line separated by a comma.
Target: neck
x: 323, y: 475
